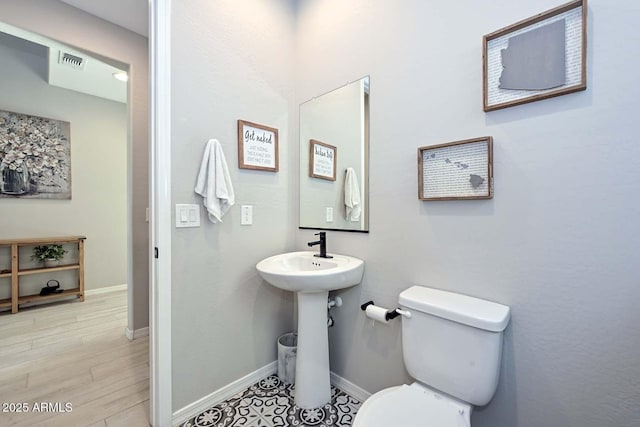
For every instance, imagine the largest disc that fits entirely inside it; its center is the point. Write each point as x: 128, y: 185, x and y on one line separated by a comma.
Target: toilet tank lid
x: 464, y: 309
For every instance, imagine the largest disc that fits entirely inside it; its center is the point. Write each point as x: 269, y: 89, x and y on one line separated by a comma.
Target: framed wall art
x: 35, y: 157
x: 257, y: 146
x: 322, y: 160
x: 456, y: 170
x: 537, y: 58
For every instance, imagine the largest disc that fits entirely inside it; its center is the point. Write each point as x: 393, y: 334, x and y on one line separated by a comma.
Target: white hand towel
x: 214, y: 182
x: 352, y: 195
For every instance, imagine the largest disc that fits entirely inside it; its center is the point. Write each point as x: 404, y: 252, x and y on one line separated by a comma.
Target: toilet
x: 452, y: 346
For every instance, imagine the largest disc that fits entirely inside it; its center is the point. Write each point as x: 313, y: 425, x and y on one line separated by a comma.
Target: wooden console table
x: 16, y: 271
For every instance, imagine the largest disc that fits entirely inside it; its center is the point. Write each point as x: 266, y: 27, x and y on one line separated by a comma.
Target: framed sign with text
x: 257, y: 147
x: 322, y: 160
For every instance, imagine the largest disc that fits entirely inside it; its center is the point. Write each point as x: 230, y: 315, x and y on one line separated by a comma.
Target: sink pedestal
x: 311, y: 278
x: 313, y: 388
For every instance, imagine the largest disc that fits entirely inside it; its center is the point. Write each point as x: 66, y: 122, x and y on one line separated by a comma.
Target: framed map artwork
x: 537, y: 58
x: 456, y: 170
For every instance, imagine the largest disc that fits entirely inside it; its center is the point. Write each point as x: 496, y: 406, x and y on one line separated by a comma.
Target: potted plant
x: 50, y: 255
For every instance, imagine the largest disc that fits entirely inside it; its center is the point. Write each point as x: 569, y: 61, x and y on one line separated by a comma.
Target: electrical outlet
x: 329, y: 214
x: 246, y: 215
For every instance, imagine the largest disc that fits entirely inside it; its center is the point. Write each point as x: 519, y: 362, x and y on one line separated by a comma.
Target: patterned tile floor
x: 269, y: 403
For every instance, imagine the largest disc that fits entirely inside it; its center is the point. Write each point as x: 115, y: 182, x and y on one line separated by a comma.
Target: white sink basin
x: 312, y: 278
x: 303, y: 272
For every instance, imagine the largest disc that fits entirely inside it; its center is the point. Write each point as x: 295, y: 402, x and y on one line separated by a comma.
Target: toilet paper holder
x: 391, y: 314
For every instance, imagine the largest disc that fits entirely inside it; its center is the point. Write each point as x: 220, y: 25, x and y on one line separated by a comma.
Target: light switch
x: 187, y: 215
x: 246, y: 215
x: 329, y: 214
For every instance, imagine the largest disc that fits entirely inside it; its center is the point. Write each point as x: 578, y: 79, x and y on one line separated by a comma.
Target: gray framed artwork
x: 35, y: 157
x: 537, y: 58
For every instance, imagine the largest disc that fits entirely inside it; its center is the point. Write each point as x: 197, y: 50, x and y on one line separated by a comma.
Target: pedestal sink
x: 312, y: 278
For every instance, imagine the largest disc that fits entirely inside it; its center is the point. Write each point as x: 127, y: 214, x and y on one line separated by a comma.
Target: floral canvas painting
x: 35, y: 157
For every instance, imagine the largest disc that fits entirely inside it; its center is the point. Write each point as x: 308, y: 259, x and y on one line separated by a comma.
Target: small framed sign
x: 322, y: 160
x: 456, y: 170
x: 537, y: 58
x: 257, y: 147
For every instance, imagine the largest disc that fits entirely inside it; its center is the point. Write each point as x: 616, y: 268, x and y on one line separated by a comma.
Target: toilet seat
x: 412, y: 406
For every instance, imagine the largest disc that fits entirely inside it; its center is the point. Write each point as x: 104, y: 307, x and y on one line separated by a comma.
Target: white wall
x: 558, y: 243
x: 78, y: 29
x: 97, y: 208
x: 231, y: 60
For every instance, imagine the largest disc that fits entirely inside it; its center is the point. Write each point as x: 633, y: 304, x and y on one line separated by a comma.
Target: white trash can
x: 287, y: 349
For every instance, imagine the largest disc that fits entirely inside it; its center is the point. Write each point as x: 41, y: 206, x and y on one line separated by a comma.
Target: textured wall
x: 558, y: 243
x: 78, y: 29
x: 98, y: 171
x: 232, y: 60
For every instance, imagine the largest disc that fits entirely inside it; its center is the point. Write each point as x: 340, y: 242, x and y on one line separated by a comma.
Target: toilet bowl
x: 412, y: 405
x: 452, y: 346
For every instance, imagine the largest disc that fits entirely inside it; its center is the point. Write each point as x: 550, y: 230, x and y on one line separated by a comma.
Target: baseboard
x: 223, y: 394
x: 105, y: 290
x: 137, y: 333
x: 348, y: 387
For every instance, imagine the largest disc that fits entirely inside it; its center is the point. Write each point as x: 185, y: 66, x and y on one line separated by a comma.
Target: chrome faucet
x: 323, y: 245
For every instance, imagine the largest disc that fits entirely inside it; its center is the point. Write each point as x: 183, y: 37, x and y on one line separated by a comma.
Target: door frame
x: 160, y: 212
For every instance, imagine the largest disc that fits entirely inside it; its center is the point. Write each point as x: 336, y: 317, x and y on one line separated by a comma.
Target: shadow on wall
x: 543, y: 108
x: 494, y: 414
x: 281, y: 302
x: 40, y: 52
x: 457, y: 208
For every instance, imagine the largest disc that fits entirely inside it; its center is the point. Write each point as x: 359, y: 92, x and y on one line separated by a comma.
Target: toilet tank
x: 453, y: 342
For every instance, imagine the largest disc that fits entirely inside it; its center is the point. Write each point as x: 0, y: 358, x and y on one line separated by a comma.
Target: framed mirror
x: 334, y: 159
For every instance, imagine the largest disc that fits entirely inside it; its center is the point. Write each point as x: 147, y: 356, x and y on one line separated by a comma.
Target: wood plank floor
x: 69, y: 364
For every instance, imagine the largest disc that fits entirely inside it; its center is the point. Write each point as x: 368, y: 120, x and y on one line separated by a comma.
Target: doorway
x: 100, y: 207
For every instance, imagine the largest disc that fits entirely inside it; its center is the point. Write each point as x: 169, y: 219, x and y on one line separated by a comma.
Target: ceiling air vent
x: 73, y: 61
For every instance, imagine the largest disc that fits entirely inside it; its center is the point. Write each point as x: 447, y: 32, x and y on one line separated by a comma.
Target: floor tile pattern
x: 270, y: 403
